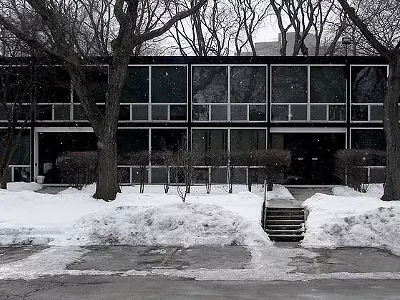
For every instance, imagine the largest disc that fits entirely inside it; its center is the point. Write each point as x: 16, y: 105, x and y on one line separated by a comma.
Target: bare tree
x: 62, y: 39
x: 384, y: 37
x: 207, y: 32
x: 250, y: 15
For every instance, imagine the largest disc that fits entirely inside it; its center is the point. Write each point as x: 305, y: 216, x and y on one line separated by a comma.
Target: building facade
x: 312, y: 106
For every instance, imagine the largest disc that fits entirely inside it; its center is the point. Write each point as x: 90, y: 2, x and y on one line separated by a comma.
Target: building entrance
x: 312, y: 156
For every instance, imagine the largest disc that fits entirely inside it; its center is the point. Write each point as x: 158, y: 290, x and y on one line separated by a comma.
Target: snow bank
x: 356, y: 221
x: 181, y: 224
x: 373, y: 190
x: 74, y: 217
x: 23, y: 186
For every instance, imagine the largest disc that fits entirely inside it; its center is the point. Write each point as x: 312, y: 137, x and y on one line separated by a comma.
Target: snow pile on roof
x: 74, y: 217
x: 338, y: 221
x: 23, y: 186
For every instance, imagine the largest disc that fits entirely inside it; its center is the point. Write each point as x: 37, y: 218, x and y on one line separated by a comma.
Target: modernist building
x: 312, y: 106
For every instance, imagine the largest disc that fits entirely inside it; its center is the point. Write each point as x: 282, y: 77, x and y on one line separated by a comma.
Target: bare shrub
x: 141, y: 159
x: 351, y: 165
x: 78, y: 168
x: 164, y: 158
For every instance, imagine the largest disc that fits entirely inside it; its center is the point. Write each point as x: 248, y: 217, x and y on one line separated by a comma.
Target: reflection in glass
x: 289, y: 84
x: 178, y: 112
x: 210, y: 84
x: 257, y: 113
x: 52, y: 84
x: 368, y: 84
x: 368, y: 138
x: 218, y: 112
x: 318, y: 112
x: 298, y: 112
x: 159, y: 112
x: 136, y: 88
x: 140, y: 112
x: 337, y: 112
x: 124, y: 112
x: 280, y: 112
x: 168, y: 84
x: 62, y: 112
x: 376, y: 112
x: 211, y: 141
x: 247, y: 84
x: 200, y: 112
x: 328, y: 84
x: 247, y: 139
x: 359, y: 112
x: 238, y: 112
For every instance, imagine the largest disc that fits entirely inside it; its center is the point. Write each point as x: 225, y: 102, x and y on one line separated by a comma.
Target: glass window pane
x: 218, y: 175
x: 131, y: 141
x: 239, y: 175
x: 368, y: 138
x: 140, y: 112
x: 257, y: 112
x: 376, y: 113
x: 22, y: 174
x: 159, y: 175
x: 124, y: 175
x: 280, y: 112
x: 167, y: 139
x: 248, y: 84
x: 200, y: 112
x: 178, y: 112
x: 22, y: 153
x: 210, y: 84
x: 289, y: 84
x: 213, y: 141
x: 44, y: 112
x: 137, y: 174
x: 97, y: 77
x: 200, y: 175
x: 328, y: 84
x: 168, y: 84
x: 159, y: 112
x: 218, y: 112
x: 368, y: 84
x: 359, y: 112
x: 247, y: 139
x: 136, y: 88
x: 124, y: 112
x: 16, y: 84
x: 377, y: 175
x: 298, y: 112
x: 318, y: 112
x: 53, y: 145
x: 62, y: 112
x: 79, y: 113
x: 337, y: 113
x: 52, y: 85
x: 239, y: 113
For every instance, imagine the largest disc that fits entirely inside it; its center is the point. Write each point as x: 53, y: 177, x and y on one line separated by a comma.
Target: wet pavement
x: 123, y: 258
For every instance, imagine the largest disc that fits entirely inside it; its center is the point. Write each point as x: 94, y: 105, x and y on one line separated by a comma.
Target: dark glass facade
x: 211, y: 106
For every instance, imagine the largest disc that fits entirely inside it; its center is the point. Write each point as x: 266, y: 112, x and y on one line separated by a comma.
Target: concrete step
x: 285, y: 217
x: 284, y: 231
x: 283, y: 222
x: 285, y: 226
x: 285, y: 238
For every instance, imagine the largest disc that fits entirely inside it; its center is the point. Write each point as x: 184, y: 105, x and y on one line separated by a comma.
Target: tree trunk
x: 107, y: 180
x: 392, y: 130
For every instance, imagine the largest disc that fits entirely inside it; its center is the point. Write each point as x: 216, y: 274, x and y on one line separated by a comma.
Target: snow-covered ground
x: 73, y: 217
x: 353, y: 219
